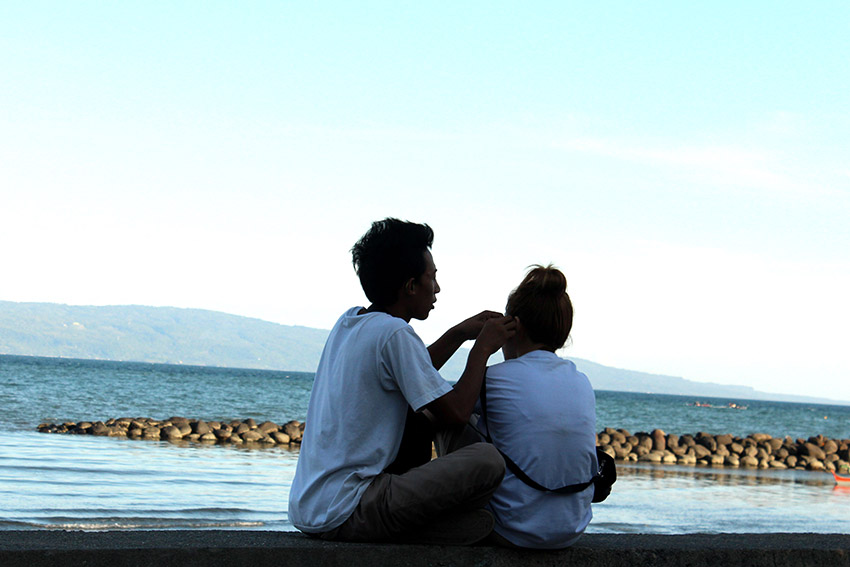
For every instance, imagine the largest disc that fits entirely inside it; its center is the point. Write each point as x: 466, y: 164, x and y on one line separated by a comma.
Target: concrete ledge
x: 285, y: 549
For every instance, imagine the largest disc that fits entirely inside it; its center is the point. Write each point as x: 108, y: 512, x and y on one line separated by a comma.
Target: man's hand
x: 495, y: 332
x: 471, y: 328
x: 455, y: 407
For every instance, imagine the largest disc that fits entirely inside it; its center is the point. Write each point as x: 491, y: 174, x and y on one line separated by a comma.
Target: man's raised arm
x: 455, y: 407
x: 443, y: 348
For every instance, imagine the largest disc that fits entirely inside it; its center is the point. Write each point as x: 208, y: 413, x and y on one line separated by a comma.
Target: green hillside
x: 156, y: 334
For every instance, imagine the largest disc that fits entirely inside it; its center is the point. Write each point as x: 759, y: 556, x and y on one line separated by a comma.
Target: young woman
x: 540, y: 412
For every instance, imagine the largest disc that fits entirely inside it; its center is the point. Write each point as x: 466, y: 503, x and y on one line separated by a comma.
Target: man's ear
x: 410, y: 286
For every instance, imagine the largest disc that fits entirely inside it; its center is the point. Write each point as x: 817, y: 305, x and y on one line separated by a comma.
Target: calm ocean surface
x: 82, y: 482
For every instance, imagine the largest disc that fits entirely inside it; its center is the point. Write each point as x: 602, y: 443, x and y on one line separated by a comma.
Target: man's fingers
x: 487, y: 315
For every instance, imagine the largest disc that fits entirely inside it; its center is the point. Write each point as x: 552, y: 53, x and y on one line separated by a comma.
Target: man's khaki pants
x: 462, y: 478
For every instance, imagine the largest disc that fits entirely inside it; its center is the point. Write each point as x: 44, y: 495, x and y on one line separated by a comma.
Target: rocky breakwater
x: 757, y: 450
x: 176, y: 429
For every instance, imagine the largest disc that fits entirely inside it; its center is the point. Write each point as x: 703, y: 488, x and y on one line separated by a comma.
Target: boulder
x: 678, y: 450
x: 280, y: 437
x: 268, y: 426
x: 151, y: 433
x: 251, y: 436
x: 621, y: 452
x: 725, y: 439
x: 222, y: 434
x: 701, y: 451
x: 686, y: 459
x: 617, y: 437
x: 171, y: 432
x: 294, y: 430
x: 749, y: 461
x: 116, y: 431
x: 706, y: 441
x: 98, y: 428
x: 652, y: 457
x: 659, y: 440
x: 812, y: 450
x: 201, y: 427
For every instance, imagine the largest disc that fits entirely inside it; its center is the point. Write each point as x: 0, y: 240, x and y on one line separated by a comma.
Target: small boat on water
x: 730, y: 405
x: 841, y: 480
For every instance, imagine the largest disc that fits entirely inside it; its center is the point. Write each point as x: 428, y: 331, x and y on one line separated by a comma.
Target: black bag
x: 602, y: 481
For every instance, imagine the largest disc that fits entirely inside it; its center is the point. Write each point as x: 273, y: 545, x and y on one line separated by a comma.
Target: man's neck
x: 396, y: 310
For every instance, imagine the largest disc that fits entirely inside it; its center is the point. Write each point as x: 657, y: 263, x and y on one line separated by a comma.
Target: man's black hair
x: 388, y: 255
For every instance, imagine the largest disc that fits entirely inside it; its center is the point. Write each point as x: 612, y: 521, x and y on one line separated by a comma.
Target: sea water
x: 83, y: 482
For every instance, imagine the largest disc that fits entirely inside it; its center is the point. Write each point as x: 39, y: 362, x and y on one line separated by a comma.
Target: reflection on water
x: 96, y: 483
x: 83, y: 482
x: 676, y: 499
x: 727, y: 475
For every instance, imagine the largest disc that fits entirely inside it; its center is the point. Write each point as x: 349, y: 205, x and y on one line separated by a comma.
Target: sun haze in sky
x: 686, y: 165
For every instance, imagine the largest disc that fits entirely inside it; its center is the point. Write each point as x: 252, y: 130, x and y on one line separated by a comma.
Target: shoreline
x: 226, y: 548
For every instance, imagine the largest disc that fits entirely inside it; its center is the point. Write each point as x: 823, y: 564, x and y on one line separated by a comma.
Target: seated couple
x: 365, y: 471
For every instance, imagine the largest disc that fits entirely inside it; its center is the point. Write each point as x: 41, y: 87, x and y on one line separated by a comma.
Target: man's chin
x: 423, y: 316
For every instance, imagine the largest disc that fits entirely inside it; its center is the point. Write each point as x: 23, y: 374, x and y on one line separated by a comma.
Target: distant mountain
x: 209, y: 338
x: 156, y: 334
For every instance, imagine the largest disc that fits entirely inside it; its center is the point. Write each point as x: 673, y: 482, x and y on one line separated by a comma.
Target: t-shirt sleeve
x: 406, y: 366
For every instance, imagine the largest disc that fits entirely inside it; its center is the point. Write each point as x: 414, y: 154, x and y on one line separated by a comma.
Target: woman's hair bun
x: 548, y: 280
x: 542, y: 304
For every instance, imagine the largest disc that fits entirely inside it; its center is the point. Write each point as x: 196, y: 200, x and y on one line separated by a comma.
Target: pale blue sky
x: 687, y: 166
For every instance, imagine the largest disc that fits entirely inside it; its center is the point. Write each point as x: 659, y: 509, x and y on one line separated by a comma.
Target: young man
x: 374, y: 383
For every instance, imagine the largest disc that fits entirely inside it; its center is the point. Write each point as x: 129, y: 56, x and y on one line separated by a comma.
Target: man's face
x: 426, y: 288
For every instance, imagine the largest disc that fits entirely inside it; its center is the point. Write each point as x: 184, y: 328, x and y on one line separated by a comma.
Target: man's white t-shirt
x: 372, y: 368
x: 541, y: 412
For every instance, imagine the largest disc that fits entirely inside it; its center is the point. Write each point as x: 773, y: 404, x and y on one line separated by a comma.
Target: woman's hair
x: 390, y: 253
x: 542, y: 304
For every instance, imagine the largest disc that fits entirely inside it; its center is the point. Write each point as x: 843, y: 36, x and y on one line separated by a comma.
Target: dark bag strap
x: 514, y: 468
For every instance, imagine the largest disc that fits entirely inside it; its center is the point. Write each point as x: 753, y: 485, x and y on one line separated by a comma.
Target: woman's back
x: 541, y: 413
